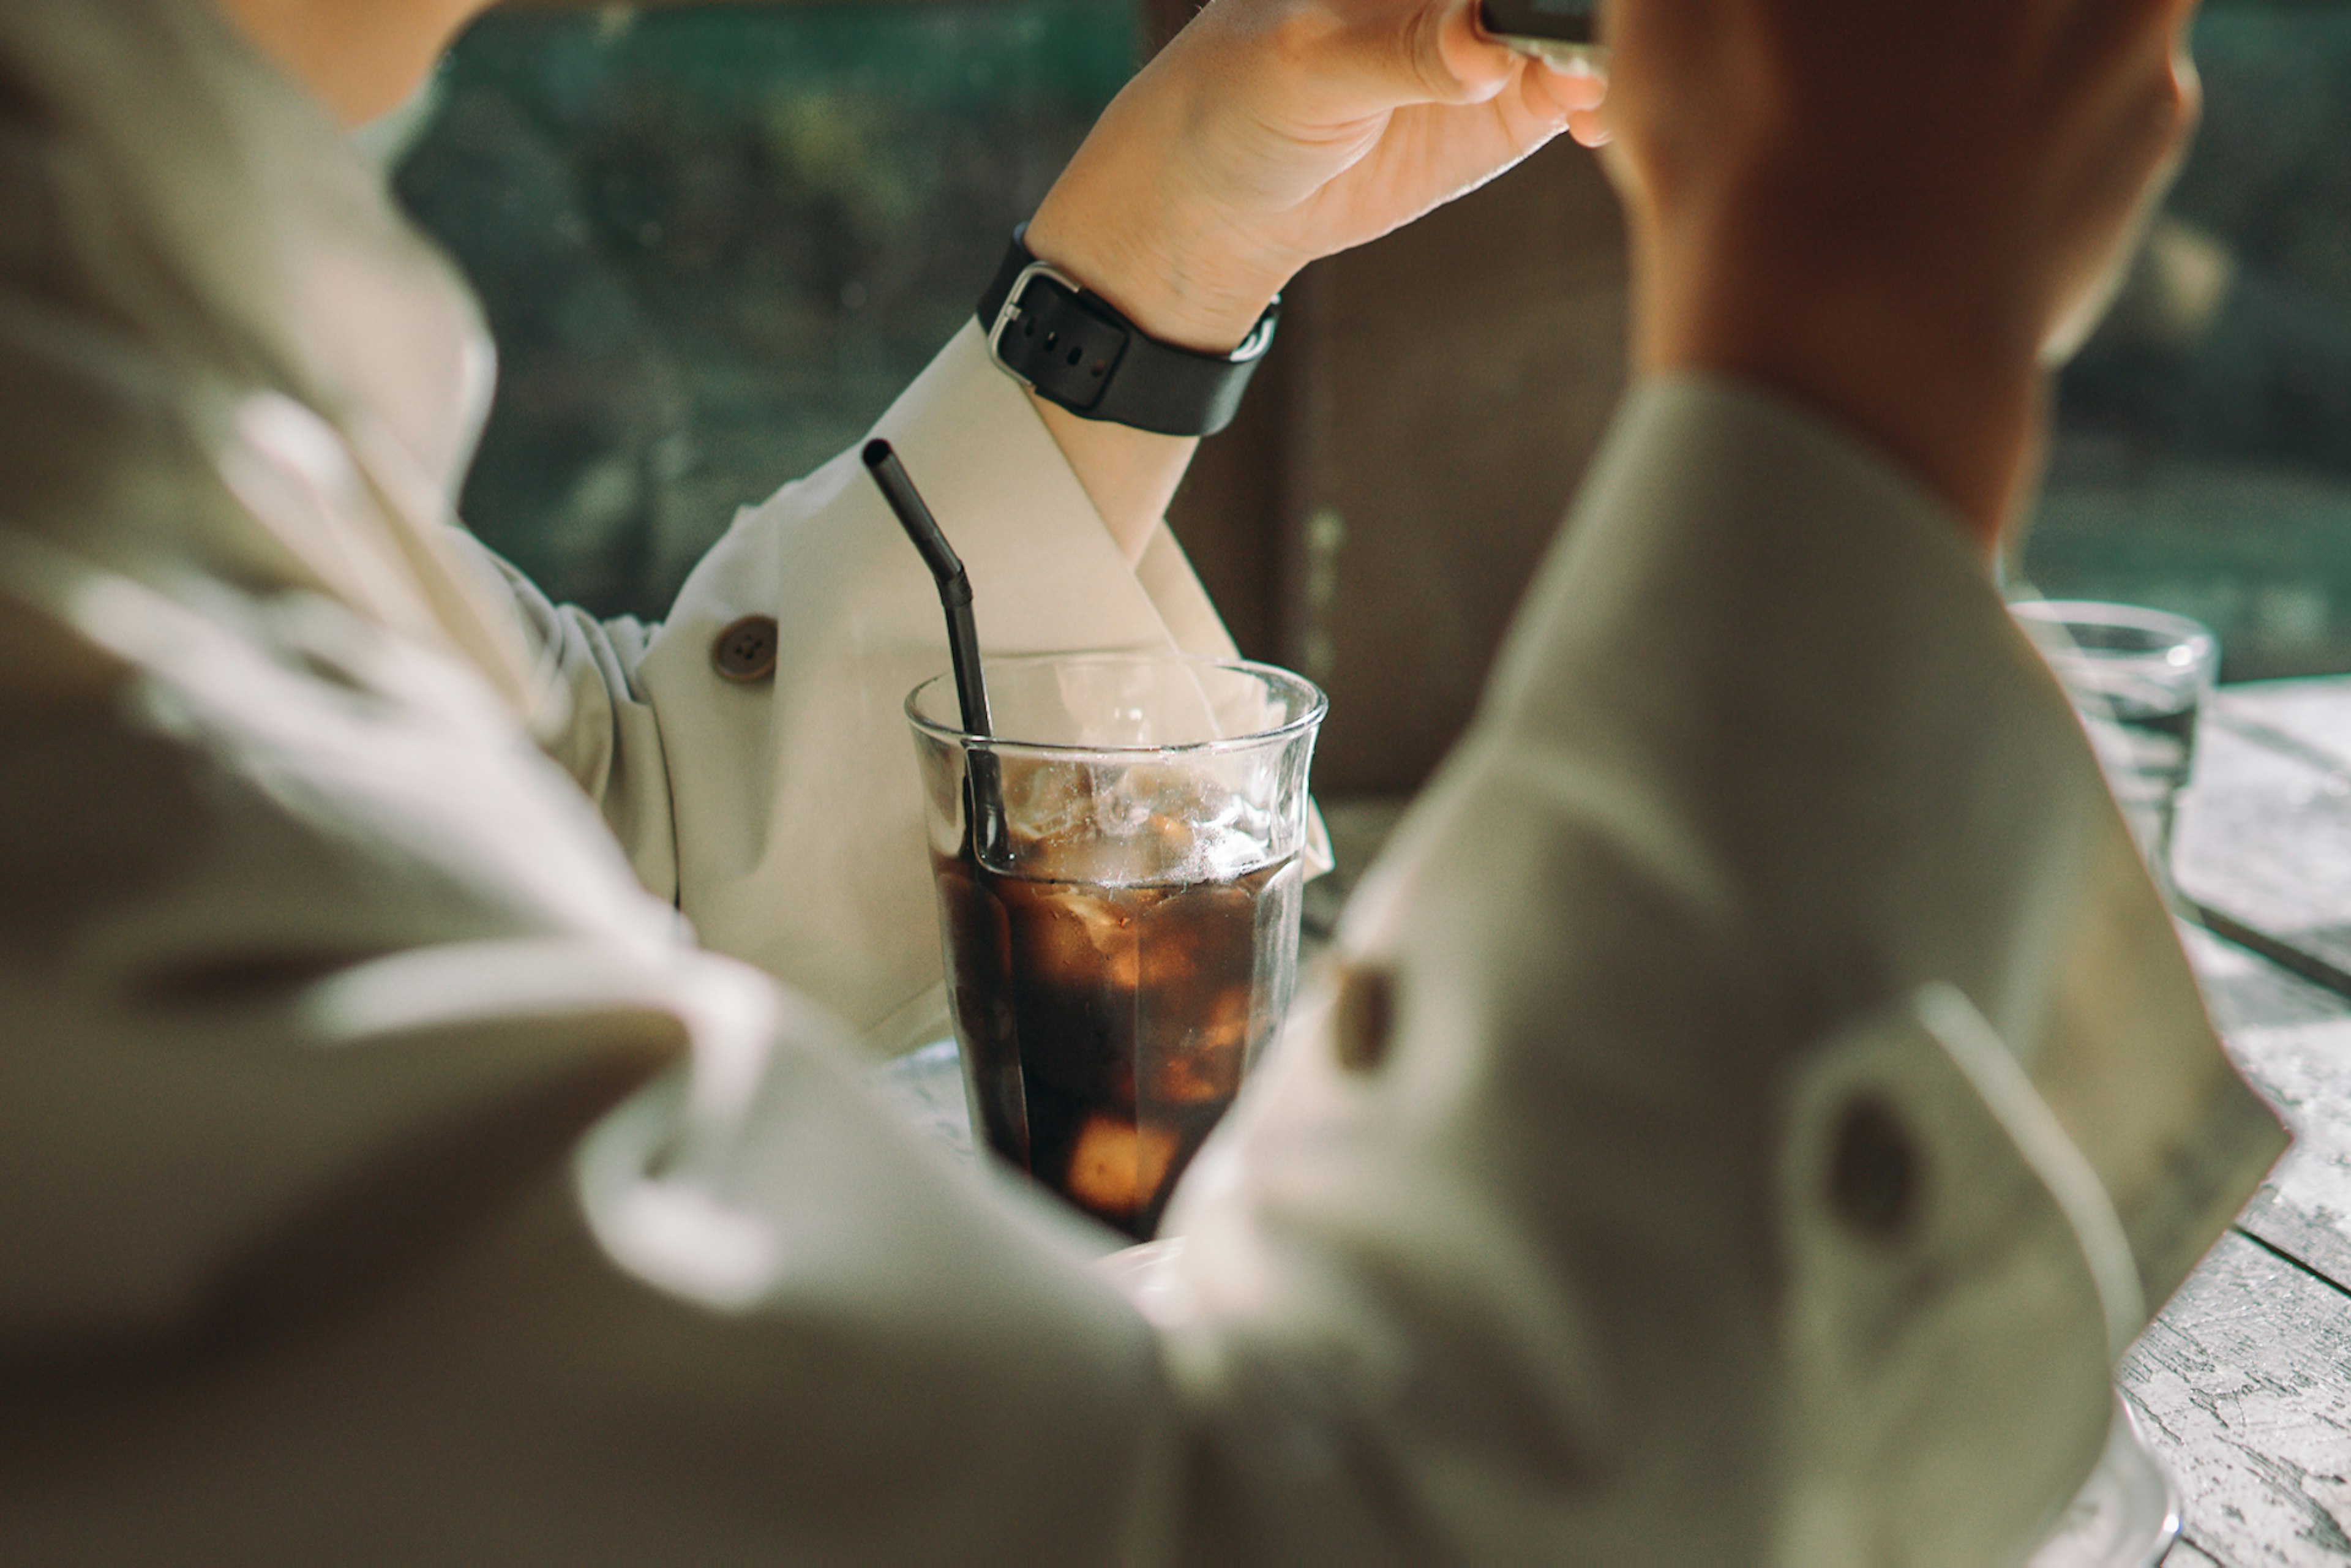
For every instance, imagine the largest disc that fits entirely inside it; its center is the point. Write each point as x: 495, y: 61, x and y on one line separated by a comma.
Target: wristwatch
x: 1072, y: 347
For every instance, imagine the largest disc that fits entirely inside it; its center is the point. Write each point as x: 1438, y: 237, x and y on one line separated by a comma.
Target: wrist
x: 1172, y: 291
x: 1932, y: 367
x: 1182, y: 274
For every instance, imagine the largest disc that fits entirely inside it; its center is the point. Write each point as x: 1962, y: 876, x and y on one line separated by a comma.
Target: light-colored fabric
x: 303, y: 390
x: 784, y: 818
x: 314, y: 968
x: 1881, y: 1338
x: 300, y: 378
x: 1764, y: 757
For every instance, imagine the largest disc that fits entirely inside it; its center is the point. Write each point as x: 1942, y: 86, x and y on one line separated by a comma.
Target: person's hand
x: 1900, y: 213
x: 1271, y: 133
x: 1268, y: 133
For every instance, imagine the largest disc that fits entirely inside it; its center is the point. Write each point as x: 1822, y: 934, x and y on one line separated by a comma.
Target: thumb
x: 1451, y: 56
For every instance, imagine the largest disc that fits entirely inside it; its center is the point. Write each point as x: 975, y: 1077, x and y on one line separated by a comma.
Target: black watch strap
x: 1072, y: 347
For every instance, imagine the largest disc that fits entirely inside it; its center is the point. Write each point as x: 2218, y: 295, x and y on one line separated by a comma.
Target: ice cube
x: 1116, y: 1166
x: 1074, y: 938
x: 1205, y: 1064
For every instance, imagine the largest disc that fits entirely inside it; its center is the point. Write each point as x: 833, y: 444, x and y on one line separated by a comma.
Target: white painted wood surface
x: 2244, y: 1387
x: 2243, y: 1383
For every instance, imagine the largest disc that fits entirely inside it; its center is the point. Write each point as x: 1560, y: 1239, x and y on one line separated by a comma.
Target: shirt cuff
x: 798, y: 816
x: 1781, y: 633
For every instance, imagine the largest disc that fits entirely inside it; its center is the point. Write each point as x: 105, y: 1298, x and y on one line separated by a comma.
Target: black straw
x: 963, y: 633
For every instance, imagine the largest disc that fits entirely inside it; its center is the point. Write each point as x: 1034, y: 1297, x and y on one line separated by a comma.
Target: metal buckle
x: 1010, y: 311
x: 1260, y: 335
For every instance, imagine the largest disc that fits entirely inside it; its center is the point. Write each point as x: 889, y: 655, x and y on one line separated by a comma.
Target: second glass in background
x: 2139, y: 679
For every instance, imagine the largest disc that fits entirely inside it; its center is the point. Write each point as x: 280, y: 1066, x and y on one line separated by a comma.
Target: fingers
x: 1357, y: 58
x: 1552, y: 95
x: 1576, y: 90
x: 1454, y: 59
x: 1579, y: 96
x: 1545, y: 101
x: 1338, y: 61
x: 1458, y: 61
x: 1269, y: 132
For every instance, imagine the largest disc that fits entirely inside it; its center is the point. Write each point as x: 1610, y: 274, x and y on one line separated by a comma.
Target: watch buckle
x: 1010, y: 312
x: 1261, y: 335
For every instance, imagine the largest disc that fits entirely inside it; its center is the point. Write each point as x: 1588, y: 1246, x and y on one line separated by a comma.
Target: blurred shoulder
x: 196, y: 773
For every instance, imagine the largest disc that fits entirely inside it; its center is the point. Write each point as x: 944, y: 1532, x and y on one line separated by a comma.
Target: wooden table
x: 2244, y: 1384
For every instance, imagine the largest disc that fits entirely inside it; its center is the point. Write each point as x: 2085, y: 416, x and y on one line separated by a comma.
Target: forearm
x: 1093, y: 226
x: 1955, y: 393
x: 1763, y: 757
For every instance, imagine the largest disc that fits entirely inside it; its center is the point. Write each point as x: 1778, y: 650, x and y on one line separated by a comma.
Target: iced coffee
x: 1124, y: 951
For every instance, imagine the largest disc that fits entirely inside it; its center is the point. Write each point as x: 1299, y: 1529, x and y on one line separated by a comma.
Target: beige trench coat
x: 1789, y: 1098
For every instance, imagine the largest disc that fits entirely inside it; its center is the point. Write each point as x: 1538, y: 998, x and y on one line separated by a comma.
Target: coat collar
x: 209, y: 211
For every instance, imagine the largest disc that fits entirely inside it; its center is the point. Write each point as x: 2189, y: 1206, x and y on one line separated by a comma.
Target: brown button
x: 1363, y: 1015
x: 745, y: 652
x: 1874, y: 1171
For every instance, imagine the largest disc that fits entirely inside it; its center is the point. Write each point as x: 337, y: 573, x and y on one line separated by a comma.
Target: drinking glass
x: 1123, y: 946
x: 2137, y: 677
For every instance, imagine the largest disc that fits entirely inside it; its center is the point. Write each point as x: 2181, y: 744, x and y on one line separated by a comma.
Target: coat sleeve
x: 1534, y: 1240
x: 1774, y: 856
x: 1543, y: 1221
x: 783, y: 816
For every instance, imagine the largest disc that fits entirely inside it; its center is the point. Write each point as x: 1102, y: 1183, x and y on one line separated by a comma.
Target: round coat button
x: 1362, y: 1017
x: 746, y: 651
x: 1874, y: 1174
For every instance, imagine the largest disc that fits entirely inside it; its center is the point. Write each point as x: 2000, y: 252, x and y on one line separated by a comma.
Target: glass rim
x: 2181, y: 631
x: 1318, y: 704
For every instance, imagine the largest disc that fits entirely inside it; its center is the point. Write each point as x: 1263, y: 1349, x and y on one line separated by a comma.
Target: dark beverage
x: 1118, y: 873
x: 1106, y: 1026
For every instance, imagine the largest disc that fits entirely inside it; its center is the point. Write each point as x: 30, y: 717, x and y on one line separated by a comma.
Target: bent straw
x: 987, y: 803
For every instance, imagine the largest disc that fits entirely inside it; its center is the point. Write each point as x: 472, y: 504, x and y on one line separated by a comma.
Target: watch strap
x: 1072, y: 347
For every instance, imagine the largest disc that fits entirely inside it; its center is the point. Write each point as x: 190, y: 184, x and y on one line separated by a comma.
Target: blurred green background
x: 715, y: 241
x: 2204, y: 458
